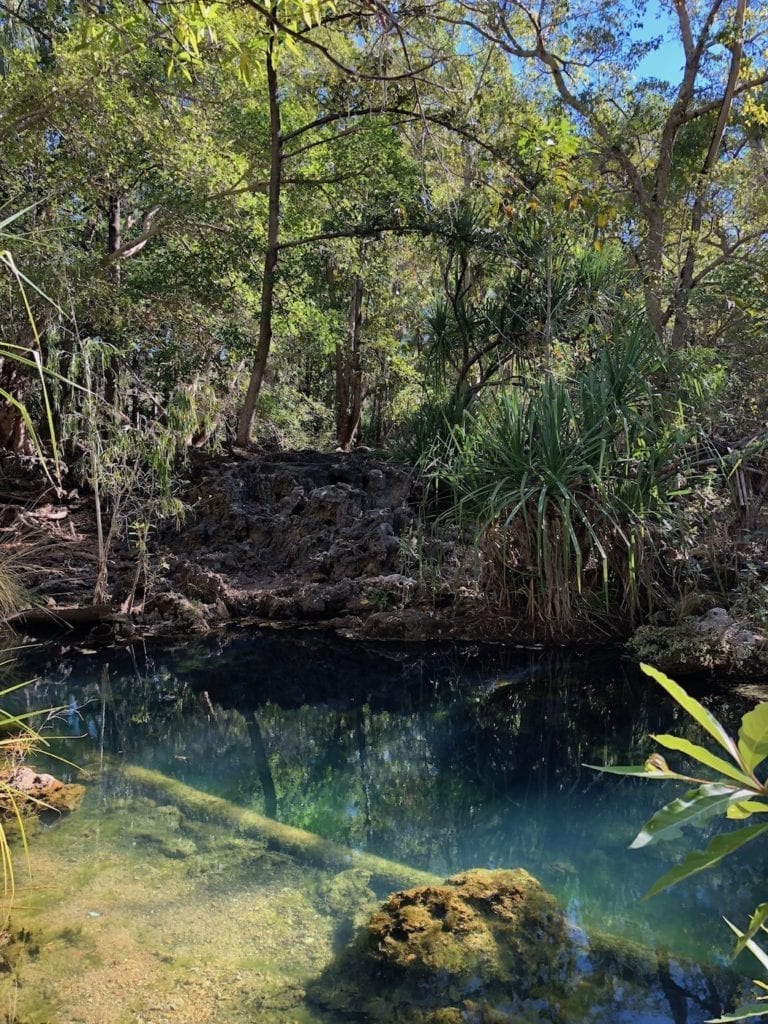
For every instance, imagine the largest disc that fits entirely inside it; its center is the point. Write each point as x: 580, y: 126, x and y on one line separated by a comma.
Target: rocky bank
x: 303, y: 538
x: 327, y: 540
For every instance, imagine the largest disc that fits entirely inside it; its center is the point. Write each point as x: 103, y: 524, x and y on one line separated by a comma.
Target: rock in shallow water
x: 35, y: 791
x: 493, y: 947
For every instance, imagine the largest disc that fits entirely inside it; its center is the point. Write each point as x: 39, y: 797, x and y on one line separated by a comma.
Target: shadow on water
x: 443, y: 758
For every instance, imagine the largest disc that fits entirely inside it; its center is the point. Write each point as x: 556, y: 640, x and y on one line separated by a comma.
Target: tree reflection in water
x: 436, y: 757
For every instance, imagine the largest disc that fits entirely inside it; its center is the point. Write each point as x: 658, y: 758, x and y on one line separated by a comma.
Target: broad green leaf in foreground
x: 638, y: 770
x: 753, y: 736
x: 744, y: 810
x: 696, y: 710
x: 703, y: 756
x: 695, y: 807
x: 700, y: 860
x: 743, y: 1013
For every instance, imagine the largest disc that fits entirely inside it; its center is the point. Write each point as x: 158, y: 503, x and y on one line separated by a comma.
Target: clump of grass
x: 19, y: 739
x: 13, y: 595
x: 423, y: 439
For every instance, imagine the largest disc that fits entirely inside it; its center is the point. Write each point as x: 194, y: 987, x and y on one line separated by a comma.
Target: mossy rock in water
x: 28, y: 791
x: 479, y: 927
x: 433, y: 950
x: 709, y: 644
x: 493, y: 947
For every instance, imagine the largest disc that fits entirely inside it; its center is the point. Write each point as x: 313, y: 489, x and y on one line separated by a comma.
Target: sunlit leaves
x: 753, y: 736
x: 745, y: 1012
x: 696, y: 710
x: 703, y: 756
x: 739, y: 811
x: 696, y: 807
x: 756, y: 1009
x: 191, y: 32
x: 640, y: 771
x: 756, y: 923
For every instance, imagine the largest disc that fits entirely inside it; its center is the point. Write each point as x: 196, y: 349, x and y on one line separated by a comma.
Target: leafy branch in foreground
x: 735, y: 790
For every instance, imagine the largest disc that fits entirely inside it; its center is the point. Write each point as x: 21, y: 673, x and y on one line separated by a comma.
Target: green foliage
x: 426, y: 439
x: 735, y: 792
x: 13, y: 595
x: 500, y: 242
x: 290, y: 420
x: 561, y: 485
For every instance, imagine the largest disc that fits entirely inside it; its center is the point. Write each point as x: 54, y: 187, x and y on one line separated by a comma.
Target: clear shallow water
x: 439, y: 759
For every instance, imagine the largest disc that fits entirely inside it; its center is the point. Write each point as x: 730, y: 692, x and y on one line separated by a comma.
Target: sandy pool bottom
x: 135, y: 915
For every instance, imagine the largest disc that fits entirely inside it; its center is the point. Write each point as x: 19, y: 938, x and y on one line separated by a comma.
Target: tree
x: 666, y: 147
x: 371, y: 58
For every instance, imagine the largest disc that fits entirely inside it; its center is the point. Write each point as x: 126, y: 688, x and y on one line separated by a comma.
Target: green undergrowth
x: 597, y: 497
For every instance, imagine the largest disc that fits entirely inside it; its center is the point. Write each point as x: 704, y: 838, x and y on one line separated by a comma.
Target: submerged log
x: 295, y: 841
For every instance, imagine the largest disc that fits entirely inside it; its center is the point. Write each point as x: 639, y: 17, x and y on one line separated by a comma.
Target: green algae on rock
x: 493, y: 947
x: 480, y: 926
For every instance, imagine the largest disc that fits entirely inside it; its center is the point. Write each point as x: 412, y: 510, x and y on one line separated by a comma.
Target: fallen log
x: 78, y: 615
x: 303, y: 845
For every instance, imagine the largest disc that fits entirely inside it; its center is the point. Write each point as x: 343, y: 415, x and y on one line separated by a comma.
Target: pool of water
x: 438, y: 758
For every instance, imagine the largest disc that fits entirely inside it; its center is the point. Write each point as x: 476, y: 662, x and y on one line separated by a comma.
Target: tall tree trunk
x: 349, y: 373
x: 680, y: 327
x: 245, y: 421
x: 652, y: 265
x: 113, y: 244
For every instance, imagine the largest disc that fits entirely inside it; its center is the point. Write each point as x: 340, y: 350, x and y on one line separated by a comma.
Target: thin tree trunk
x: 245, y: 421
x: 349, y: 373
x: 114, y: 242
x: 680, y: 329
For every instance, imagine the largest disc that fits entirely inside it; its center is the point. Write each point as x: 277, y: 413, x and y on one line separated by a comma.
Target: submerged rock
x: 347, y: 893
x: 493, y: 947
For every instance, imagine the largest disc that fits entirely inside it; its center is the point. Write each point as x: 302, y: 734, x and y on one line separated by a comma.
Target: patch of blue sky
x: 666, y: 61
